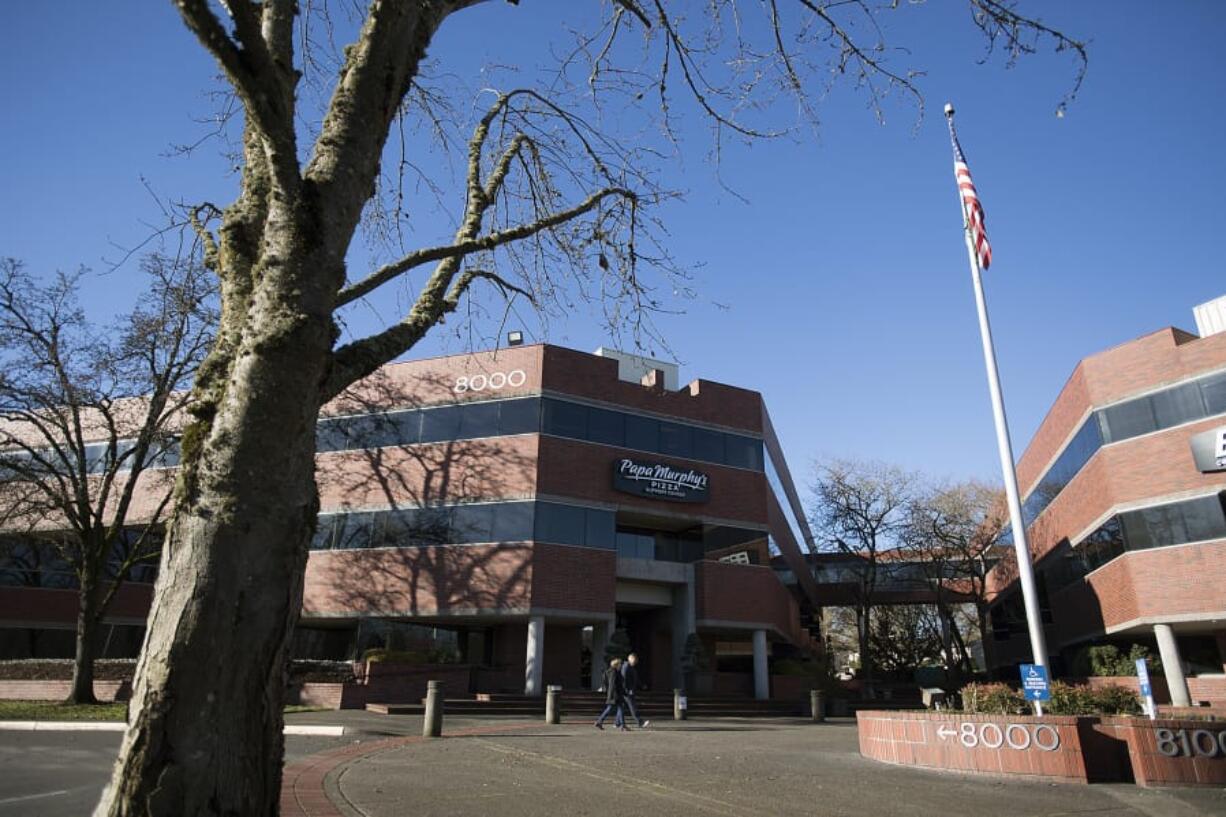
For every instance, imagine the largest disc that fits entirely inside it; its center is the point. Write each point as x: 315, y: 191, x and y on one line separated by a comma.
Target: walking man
x: 614, y: 696
x: 630, y: 676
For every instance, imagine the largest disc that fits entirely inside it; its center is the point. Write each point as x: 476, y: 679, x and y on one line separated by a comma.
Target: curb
x: 303, y: 791
x: 119, y: 726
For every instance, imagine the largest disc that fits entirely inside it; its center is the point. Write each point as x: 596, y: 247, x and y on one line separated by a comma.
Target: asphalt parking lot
x: 735, y: 768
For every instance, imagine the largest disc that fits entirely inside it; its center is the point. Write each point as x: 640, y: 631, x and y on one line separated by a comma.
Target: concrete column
x: 534, y: 658
x: 1172, y: 666
x: 683, y: 621
x: 761, y: 669
x: 600, y: 638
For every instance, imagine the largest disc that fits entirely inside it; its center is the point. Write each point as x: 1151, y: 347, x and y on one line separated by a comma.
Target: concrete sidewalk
x: 737, y: 768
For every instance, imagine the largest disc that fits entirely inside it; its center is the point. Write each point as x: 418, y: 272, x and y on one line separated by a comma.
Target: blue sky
x: 844, y: 274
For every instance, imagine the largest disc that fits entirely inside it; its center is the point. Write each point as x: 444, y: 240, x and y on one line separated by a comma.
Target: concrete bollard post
x: 679, y: 704
x: 553, y: 709
x: 432, y: 725
x: 817, y: 705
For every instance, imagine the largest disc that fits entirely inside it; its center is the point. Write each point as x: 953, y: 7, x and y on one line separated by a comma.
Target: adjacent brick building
x: 1123, y: 490
x: 512, y: 507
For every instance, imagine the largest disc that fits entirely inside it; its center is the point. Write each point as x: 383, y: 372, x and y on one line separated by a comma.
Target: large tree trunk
x: 233, y: 564
x: 82, y: 691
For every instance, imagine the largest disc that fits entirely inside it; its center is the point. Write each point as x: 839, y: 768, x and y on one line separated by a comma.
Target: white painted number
x: 492, y: 382
x: 1017, y: 736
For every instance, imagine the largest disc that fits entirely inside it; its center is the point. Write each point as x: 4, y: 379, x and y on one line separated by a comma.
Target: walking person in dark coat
x: 614, y: 696
x: 630, y: 674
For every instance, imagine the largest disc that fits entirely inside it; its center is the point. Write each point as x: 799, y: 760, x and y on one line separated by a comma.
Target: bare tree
x: 556, y: 209
x: 954, y: 532
x: 859, y: 509
x: 86, y: 422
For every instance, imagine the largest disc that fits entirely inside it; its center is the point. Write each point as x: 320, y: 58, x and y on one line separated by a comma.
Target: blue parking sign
x: 1034, y: 682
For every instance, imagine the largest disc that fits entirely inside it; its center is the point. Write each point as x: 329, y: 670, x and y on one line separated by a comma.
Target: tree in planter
x: 552, y: 210
x: 87, y: 419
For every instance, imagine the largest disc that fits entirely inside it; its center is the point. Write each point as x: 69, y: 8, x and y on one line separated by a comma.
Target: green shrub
x: 993, y: 699
x: 1069, y: 699
x: 1109, y: 660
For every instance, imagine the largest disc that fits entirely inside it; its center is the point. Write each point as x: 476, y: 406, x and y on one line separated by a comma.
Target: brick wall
x: 573, y: 578
x: 37, y: 607
x: 583, y: 375
x: 744, y: 593
x: 493, y: 468
x: 58, y: 690
x: 418, y: 581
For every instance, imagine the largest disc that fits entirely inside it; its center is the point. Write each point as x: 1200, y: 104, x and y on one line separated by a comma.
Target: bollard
x: 679, y: 704
x: 553, y: 711
x: 817, y: 705
x: 432, y: 725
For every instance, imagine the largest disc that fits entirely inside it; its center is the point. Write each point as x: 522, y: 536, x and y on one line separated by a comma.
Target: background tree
x: 904, y: 637
x: 859, y: 509
x: 558, y: 181
x: 954, y: 532
x: 86, y: 416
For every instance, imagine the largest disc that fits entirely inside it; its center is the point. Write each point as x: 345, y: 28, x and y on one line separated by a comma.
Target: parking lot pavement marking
x: 699, y: 801
x: 27, y: 797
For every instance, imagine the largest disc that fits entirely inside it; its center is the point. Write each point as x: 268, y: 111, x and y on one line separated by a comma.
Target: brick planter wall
x: 45, y: 690
x: 1172, y: 752
x: 1052, y: 748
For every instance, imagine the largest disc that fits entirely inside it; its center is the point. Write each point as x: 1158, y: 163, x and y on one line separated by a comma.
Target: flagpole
x: 1025, y: 570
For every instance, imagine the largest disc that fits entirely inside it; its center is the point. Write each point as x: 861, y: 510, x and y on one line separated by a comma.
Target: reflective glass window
x: 565, y: 419
x: 440, y: 424
x: 1130, y: 419
x: 430, y: 526
x: 353, y: 531
x: 1178, y: 405
x: 324, y: 530
x: 512, y: 522
x: 676, y: 440
x: 1213, y: 389
x: 519, y: 416
x: 744, y: 452
x: 479, y: 420
x: 330, y: 435
x: 561, y: 524
x: 600, y: 528
x: 473, y: 523
x: 642, y: 433
x: 608, y: 427
x: 709, y: 445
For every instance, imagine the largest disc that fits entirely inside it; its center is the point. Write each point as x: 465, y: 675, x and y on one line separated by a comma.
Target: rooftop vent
x: 633, y: 368
x: 1211, y: 317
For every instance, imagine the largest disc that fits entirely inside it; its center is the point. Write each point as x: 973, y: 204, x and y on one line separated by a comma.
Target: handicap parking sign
x: 1034, y: 682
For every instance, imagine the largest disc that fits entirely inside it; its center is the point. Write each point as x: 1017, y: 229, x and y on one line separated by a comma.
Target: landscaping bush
x: 432, y: 655
x: 332, y: 672
x: 993, y: 699
x: 60, y: 669
x: 1066, y: 699
x: 1070, y: 699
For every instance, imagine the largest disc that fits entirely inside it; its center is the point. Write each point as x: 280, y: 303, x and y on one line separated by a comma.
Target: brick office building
x: 1123, y: 490
x: 515, y: 505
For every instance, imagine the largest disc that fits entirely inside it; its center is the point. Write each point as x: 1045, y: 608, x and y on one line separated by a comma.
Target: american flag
x: 970, y: 202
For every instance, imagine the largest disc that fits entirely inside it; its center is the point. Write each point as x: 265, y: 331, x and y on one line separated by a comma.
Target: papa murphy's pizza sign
x: 659, y: 481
